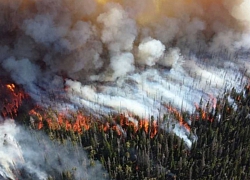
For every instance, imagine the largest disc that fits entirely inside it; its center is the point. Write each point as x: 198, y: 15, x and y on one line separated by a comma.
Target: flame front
x: 12, y: 98
x: 78, y: 122
x: 178, y: 116
x: 67, y: 120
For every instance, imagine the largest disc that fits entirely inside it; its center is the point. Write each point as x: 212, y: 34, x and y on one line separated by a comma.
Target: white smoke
x: 119, y: 31
x: 25, y: 153
x: 150, y: 51
x: 240, y: 12
x: 10, y: 153
x: 122, y: 64
x: 125, y: 56
x: 172, y: 58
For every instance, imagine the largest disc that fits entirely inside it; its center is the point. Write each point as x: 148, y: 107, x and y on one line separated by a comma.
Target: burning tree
x: 145, y: 151
x: 11, y: 99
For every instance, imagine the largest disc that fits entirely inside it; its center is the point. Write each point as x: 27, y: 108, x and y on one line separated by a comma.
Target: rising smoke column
x: 124, y: 56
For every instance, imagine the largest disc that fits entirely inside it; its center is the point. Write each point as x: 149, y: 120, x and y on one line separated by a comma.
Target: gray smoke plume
x: 125, y: 56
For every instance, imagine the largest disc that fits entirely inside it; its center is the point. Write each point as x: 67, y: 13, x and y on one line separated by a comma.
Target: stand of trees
x: 222, y: 150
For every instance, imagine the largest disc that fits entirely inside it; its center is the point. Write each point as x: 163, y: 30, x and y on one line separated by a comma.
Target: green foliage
x: 222, y: 150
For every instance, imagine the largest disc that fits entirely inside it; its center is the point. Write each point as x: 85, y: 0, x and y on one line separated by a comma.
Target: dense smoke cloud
x: 27, y: 72
x: 25, y: 154
x: 150, y: 51
x: 79, y: 38
x: 125, y: 56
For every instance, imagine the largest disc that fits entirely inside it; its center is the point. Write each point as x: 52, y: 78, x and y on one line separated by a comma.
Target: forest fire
x: 12, y: 97
x: 178, y: 116
x: 67, y: 120
x: 78, y: 122
x: 203, y: 114
x: 99, y: 73
x: 11, y: 87
x: 136, y: 123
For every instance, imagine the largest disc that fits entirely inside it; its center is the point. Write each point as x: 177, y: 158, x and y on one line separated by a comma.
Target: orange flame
x: 39, y: 117
x: 178, y: 116
x: 154, y: 129
x: 144, y: 124
x: 11, y: 87
x: 68, y: 120
x: 77, y: 122
x: 12, y: 99
x: 203, y: 114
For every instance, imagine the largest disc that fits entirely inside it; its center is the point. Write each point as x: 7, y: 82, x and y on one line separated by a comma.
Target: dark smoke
x: 125, y: 56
